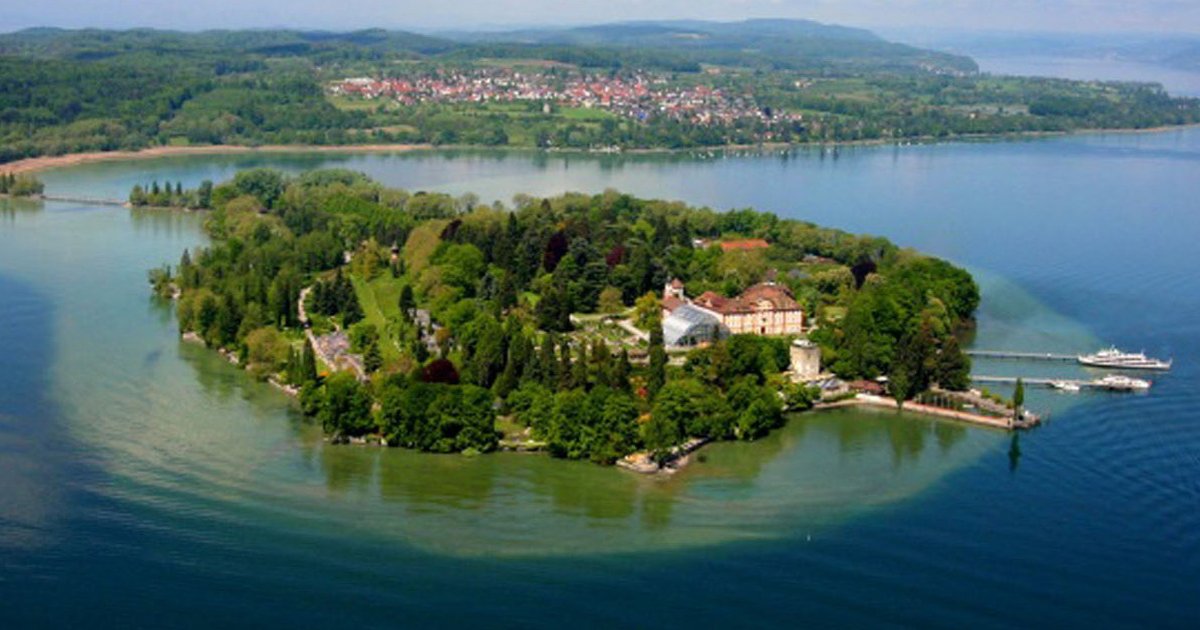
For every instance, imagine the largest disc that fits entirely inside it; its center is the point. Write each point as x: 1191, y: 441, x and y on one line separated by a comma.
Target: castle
x: 766, y: 308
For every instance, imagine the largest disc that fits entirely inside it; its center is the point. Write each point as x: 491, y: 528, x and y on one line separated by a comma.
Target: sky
x: 1095, y: 16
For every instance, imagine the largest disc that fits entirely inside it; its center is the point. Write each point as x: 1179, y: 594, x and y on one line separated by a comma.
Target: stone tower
x: 806, y: 359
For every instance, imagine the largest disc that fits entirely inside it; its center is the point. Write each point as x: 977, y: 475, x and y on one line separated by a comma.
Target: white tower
x: 806, y: 359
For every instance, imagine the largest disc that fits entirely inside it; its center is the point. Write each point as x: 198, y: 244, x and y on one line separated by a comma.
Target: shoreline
x: 47, y: 162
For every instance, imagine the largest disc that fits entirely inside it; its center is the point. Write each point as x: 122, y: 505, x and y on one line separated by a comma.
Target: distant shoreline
x: 41, y: 163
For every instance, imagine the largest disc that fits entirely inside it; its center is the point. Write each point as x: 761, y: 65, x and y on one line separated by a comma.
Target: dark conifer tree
x: 658, y: 362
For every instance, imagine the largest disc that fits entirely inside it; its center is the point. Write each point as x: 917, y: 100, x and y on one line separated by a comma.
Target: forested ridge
x: 93, y: 90
x: 460, y: 312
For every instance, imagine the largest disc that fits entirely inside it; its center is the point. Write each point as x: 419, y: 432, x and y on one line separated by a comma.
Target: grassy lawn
x: 585, y: 113
x: 380, y: 300
x: 346, y: 103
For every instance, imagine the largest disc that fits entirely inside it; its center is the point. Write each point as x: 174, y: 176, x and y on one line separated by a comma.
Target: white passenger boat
x: 1117, y: 382
x: 1114, y: 358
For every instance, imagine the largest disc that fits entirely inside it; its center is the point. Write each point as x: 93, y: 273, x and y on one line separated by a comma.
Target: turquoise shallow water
x: 147, y: 481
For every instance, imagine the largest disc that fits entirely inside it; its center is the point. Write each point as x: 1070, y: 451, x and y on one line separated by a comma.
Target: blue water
x: 147, y: 483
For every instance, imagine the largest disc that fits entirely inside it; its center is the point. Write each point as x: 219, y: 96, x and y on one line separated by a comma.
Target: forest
x: 93, y: 90
x: 460, y: 317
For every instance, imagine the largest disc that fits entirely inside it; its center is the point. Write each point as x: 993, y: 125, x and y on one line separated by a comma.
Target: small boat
x: 1065, y: 386
x: 1116, y: 382
x: 1114, y: 358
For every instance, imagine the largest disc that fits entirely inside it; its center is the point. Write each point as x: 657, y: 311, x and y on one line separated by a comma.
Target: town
x: 637, y: 95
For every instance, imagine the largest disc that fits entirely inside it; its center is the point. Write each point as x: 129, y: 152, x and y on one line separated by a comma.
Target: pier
x: 1031, y: 356
x: 96, y: 201
x: 1046, y: 382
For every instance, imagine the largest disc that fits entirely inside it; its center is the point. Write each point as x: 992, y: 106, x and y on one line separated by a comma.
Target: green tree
x: 953, y: 369
x: 647, y: 313
x: 308, y: 365
x: 660, y: 433
x: 610, y: 301
x: 345, y: 408
x: 372, y: 359
x: 406, y: 302
x: 657, y: 375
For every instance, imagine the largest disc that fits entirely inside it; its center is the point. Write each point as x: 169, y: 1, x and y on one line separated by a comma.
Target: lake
x: 148, y: 482
x: 1176, y: 81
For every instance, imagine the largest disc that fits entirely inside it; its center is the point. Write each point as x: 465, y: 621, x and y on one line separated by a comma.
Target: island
x: 439, y: 323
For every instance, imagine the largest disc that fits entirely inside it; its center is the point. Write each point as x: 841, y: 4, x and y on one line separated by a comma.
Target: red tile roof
x: 744, y: 245
x: 756, y: 298
x: 670, y: 303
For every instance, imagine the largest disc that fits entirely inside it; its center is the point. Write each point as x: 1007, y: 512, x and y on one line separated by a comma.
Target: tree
x: 308, y: 364
x: 621, y: 371
x: 372, y: 359
x: 617, y: 431
x: 204, y: 194
x: 267, y: 349
x: 580, y: 370
x: 899, y: 382
x: 265, y: 184
x: 647, y: 312
x: 566, y: 376
x: 406, y: 303
x: 658, y: 362
x: 440, y: 371
x: 1018, y: 398
x: 610, y: 301
x: 545, y: 368
x: 953, y: 370
x: 345, y: 407
x: 362, y: 336
x: 659, y: 434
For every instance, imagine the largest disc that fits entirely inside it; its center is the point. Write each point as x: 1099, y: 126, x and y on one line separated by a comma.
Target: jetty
x: 95, y: 201
x: 1027, y: 356
x: 1007, y: 421
x: 1052, y: 382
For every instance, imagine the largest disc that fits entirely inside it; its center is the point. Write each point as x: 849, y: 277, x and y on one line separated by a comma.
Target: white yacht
x: 1122, y: 383
x: 1114, y: 358
x: 1065, y: 386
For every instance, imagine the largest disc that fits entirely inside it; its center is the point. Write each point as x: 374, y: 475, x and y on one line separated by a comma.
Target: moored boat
x: 1116, y: 382
x: 1114, y: 358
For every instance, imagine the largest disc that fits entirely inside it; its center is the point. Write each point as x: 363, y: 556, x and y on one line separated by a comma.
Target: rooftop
x: 744, y: 245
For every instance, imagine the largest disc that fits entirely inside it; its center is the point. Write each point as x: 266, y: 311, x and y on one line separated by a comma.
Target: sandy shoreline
x: 35, y: 164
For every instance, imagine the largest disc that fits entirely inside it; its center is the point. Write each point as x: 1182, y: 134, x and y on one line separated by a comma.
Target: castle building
x: 763, y: 309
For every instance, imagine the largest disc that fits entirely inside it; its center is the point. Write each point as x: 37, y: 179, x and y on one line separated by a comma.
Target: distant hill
x: 798, y: 45
x: 1180, y: 52
x: 88, y: 44
x: 778, y: 44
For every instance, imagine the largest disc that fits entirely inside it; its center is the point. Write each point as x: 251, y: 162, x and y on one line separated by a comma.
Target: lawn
x: 380, y: 301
